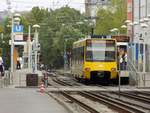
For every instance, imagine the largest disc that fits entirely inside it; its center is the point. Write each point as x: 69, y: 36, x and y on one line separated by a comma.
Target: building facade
x: 139, y: 31
x: 91, y: 6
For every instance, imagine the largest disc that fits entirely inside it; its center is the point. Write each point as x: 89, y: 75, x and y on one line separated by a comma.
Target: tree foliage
x: 58, y: 30
x: 113, y: 16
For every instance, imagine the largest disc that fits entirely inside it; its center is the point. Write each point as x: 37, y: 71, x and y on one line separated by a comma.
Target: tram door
x: 122, y: 55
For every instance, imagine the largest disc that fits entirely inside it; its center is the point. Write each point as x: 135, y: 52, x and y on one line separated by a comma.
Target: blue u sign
x: 18, y: 28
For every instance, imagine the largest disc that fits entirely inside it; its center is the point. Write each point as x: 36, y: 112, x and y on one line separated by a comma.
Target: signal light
x: 87, y: 69
x: 113, y: 69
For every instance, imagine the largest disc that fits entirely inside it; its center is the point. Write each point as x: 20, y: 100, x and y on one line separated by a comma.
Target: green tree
x: 113, y: 16
x: 59, y: 28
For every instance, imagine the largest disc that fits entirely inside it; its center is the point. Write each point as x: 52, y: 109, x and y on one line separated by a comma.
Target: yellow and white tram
x: 95, y: 59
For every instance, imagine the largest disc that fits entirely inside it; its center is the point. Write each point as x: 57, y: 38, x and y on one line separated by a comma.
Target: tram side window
x: 74, y: 55
x: 81, y: 54
x: 147, y: 57
x: 78, y: 55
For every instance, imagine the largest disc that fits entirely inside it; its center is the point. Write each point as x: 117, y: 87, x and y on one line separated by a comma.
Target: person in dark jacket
x: 18, y: 64
x: 1, y: 67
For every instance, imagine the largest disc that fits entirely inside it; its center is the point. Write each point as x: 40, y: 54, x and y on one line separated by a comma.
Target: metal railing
x: 140, y: 77
x: 5, y: 81
x: 133, y: 70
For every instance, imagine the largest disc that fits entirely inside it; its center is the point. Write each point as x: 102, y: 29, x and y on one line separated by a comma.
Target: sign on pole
x: 18, y: 32
x: 18, y: 28
x: 19, y: 37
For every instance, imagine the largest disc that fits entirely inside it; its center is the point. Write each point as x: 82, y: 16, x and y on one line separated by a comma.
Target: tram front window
x: 101, y: 51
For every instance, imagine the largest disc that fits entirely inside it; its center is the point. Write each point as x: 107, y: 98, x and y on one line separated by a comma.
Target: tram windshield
x: 100, y: 50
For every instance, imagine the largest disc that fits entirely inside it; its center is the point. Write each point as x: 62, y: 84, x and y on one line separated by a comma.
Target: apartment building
x: 139, y: 31
x: 91, y: 6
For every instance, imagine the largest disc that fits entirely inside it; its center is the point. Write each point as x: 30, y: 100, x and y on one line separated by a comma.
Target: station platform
x: 19, y: 77
x: 17, y: 99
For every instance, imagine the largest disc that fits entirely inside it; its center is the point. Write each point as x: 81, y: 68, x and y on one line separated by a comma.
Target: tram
x: 95, y: 59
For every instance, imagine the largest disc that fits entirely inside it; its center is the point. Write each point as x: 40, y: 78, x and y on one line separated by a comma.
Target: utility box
x: 31, y: 79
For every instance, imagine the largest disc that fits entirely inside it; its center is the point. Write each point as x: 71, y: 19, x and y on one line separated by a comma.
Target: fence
x: 135, y: 64
x: 6, y: 80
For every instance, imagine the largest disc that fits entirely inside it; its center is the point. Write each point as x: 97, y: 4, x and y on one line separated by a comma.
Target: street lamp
x: 15, y: 20
x: 127, y: 21
x: 29, y: 47
x: 36, y: 27
x: 124, y: 26
x: 115, y: 30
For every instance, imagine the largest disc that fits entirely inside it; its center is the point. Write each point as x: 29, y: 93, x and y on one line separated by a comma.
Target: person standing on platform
x: 1, y: 67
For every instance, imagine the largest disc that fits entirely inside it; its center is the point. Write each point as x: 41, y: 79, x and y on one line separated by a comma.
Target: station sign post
x: 18, y: 32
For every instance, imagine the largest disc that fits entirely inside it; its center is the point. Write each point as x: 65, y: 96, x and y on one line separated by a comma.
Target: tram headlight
x: 113, y: 69
x: 87, y: 69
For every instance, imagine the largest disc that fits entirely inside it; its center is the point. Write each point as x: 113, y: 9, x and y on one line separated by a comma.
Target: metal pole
x: 64, y: 54
x: 36, y: 41
x: 144, y: 60
x: 29, y: 47
x: 119, y: 77
x: 12, y: 48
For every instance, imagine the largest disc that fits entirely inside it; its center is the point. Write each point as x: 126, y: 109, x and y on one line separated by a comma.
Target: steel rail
x: 127, y: 102
x: 85, y: 106
x: 61, y: 82
x: 138, y: 95
x: 113, y: 103
x: 145, y: 100
x: 143, y: 93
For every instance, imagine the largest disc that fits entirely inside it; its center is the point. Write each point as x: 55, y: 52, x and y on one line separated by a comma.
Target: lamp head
x: 141, y: 20
x: 36, y: 26
x: 146, y: 19
x: 135, y: 23
x: 144, y: 25
x: 124, y: 26
x: 112, y: 30
x: 116, y: 29
x: 128, y: 21
x: 131, y: 24
x: 17, y: 19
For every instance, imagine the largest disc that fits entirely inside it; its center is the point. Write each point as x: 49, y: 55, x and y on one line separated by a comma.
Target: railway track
x: 134, y: 96
x: 82, y: 104
x: 118, y: 104
x: 124, y: 101
x: 147, y: 94
x: 58, y: 81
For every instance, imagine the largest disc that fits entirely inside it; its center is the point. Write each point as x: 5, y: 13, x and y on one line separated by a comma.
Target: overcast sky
x: 20, y: 5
